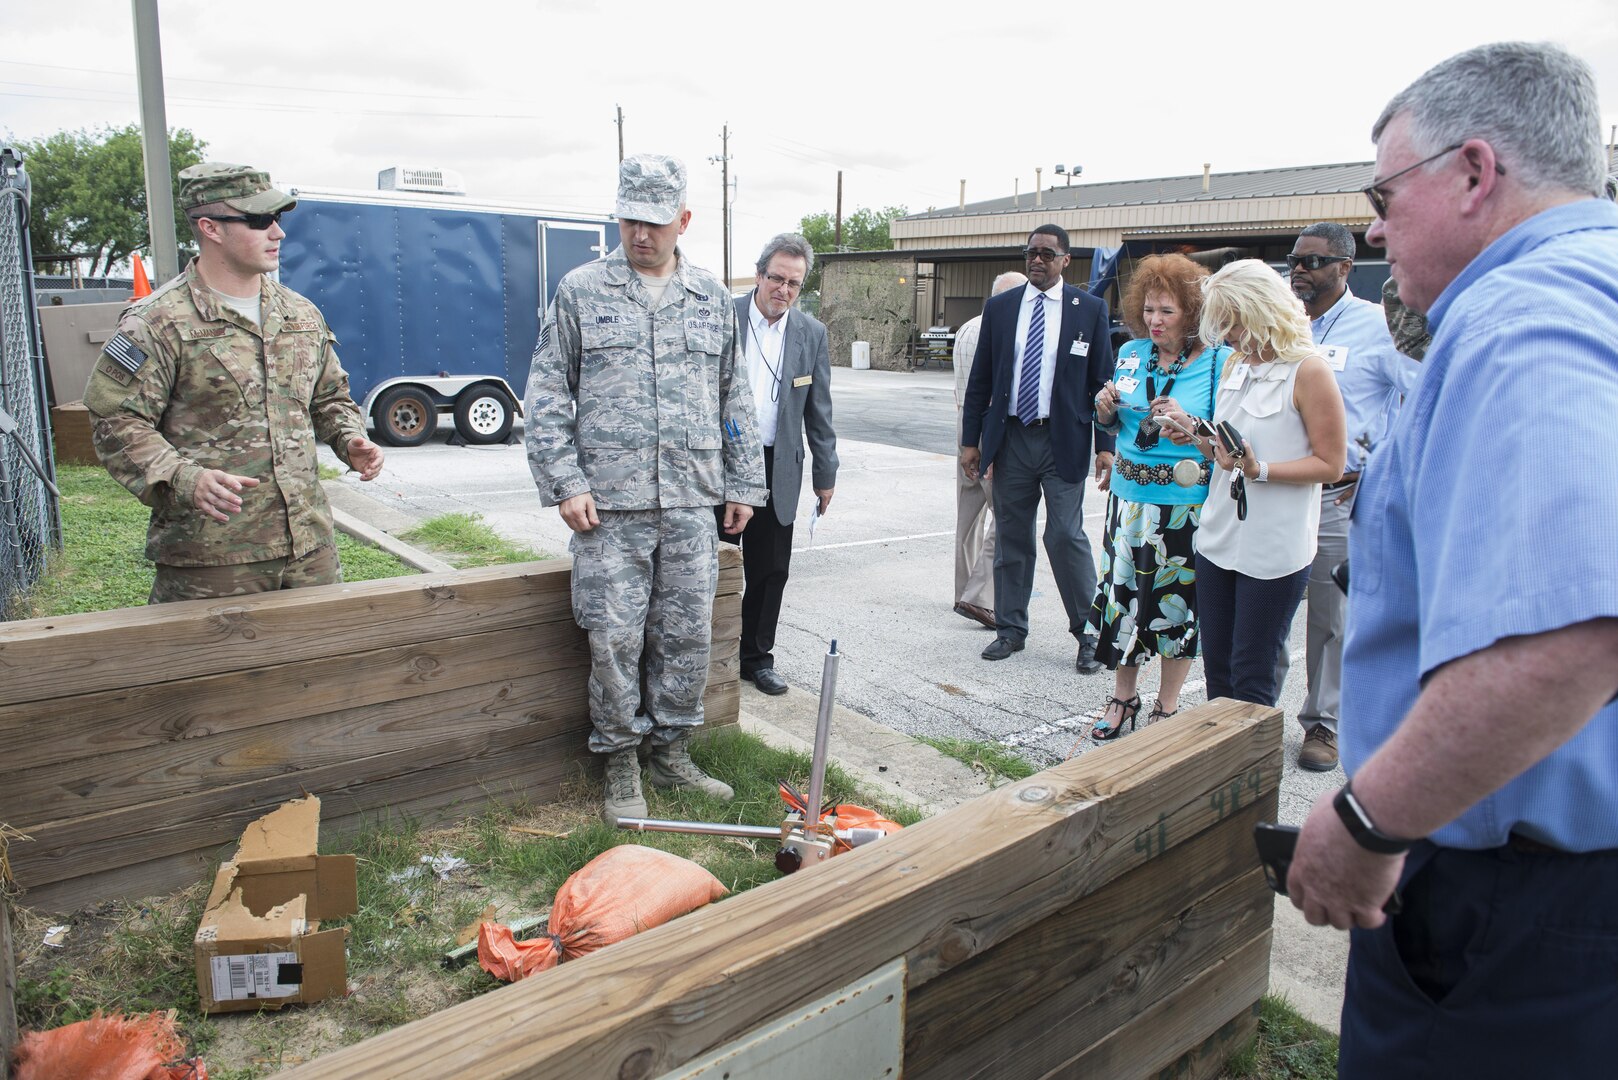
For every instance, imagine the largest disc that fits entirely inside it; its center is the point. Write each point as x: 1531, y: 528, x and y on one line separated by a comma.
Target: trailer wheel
x: 406, y: 416
x: 484, y: 414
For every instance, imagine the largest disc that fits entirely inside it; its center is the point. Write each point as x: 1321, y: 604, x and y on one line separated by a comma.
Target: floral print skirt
x: 1146, y: 597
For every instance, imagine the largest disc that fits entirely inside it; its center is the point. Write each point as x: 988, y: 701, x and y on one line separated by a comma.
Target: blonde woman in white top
x: 1257, y: 537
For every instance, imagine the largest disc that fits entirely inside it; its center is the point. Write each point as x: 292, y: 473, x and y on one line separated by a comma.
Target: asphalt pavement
x: 877, y: 574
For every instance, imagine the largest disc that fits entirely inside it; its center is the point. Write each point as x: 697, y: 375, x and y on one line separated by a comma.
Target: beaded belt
x: 1162, y: 473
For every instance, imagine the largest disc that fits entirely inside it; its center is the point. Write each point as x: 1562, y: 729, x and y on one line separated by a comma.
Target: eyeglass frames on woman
x: 1313, y: 262
x: 1378, y: 194
x: 256, y: 222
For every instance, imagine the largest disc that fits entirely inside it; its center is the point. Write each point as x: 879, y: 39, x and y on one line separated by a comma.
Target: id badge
x: 1238, y: 378
x: 1129, y: 363
x: 1079, y: 348
x: 1336, y: 356
x: 1127, y: 384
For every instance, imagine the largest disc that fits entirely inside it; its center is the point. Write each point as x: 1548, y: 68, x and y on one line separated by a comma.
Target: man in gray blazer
x: 789, y: 369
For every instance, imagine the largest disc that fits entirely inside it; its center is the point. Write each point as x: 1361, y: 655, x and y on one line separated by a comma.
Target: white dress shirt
x: 764, y: 372
x: 1052, y: 299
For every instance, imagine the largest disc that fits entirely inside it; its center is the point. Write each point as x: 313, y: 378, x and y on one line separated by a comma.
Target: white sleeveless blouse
x: 1278, y: 537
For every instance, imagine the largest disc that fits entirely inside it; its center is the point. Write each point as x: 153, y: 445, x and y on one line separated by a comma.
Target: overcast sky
x: 907, y: 99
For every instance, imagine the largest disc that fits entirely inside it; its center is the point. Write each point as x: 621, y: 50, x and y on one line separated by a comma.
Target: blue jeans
x: 1244, y: 623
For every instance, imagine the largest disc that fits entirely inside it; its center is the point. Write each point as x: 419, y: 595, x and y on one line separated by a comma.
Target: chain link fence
x: 30, y: 525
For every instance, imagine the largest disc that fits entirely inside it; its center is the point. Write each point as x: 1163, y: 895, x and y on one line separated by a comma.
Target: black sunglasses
x: 256, y: 222
x: 1379, y: 197
x: 1042, y: 254
x: 1313, y: 262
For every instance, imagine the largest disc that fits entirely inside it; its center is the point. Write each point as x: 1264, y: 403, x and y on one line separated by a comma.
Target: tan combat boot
x: 623, y: 794
x: 672, y: 767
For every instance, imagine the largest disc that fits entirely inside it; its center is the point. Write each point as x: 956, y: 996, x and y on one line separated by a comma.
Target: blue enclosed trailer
x: 435, y: 299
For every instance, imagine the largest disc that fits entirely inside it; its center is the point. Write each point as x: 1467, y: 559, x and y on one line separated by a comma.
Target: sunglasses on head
x: 256, y: 222
x: 1313, y: 262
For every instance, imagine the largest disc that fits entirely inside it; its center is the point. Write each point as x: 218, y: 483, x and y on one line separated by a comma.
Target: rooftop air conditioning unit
x: 421, y: 178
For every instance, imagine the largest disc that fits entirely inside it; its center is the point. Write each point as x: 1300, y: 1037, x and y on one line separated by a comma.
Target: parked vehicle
x: 435, y: 300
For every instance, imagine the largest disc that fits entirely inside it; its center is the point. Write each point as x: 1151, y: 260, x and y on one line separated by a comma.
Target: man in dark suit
x: 789, y: 370
x: 1043, y: 353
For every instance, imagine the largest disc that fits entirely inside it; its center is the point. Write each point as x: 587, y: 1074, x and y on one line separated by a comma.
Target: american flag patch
x: 125, y: 353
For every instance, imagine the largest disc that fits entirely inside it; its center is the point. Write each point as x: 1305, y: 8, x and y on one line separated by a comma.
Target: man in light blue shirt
x: 1352, y: 334
x: 1481, y: 668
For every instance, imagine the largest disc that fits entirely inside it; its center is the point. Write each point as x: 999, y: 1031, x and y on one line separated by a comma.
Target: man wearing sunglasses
x: 1043, y: 354
x: 1480, y: 675
x: 1352, y: 335
x: 208, y: 401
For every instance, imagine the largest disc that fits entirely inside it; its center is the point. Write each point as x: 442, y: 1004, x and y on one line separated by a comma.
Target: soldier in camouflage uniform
x: 640, y: 421
x: 207, y: 402
x: 1409, y: 328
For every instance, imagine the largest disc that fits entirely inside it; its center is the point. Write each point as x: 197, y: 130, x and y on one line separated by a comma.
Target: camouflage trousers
x: 319, y: 567
x: 643, y: 583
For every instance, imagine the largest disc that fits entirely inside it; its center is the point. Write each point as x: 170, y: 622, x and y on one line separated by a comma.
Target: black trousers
x: 1504, y: 963
x: 1244, y: 623
x: 766, y: 556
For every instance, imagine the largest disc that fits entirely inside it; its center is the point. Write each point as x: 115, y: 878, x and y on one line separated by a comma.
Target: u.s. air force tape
x: 125, y: 353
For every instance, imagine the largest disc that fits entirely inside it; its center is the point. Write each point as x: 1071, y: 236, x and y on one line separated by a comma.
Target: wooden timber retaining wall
x: 1104, y: 918
x: 136, y: 744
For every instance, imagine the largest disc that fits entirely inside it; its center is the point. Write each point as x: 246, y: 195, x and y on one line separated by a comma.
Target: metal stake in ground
x: 802, y: 839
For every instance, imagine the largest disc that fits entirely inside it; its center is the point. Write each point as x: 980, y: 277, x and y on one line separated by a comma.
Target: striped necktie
x: 1033, y: 361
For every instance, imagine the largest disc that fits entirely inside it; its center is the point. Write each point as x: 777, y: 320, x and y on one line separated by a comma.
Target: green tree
x: 863, y: 230
x: 89, y: 192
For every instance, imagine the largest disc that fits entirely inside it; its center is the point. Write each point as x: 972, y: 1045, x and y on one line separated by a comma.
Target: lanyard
x: 775, y: 369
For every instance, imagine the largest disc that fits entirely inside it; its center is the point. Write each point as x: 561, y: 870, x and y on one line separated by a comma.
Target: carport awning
x: 1250, y: 228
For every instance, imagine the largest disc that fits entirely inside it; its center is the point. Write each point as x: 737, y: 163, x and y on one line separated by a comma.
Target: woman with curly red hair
x: 1145, y: 604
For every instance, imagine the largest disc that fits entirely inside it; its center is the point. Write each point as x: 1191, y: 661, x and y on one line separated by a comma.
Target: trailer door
x: 563, y: 247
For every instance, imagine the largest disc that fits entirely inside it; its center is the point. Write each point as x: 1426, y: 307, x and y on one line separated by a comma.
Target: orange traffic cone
x: 143, y: 287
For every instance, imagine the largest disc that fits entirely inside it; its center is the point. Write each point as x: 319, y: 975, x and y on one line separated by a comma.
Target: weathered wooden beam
x: 938, y: 893
x: 8, y: 985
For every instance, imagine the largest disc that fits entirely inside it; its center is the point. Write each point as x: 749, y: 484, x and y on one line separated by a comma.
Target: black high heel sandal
x: 1129, y: 711
x: 1158, y: 712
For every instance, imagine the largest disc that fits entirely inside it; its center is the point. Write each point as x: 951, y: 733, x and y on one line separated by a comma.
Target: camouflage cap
x: 240, y: 186
x: 651, y: 187
x: 1409, y: 328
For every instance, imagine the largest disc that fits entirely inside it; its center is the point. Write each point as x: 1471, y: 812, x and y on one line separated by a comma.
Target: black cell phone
x: 1276, y: 844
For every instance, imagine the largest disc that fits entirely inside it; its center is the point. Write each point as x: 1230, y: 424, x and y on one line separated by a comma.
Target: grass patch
x: 137, y: 957
x: 1288, y: 1047
x: 330, y: 472
x: 463, y: 540
x: 102, y: 564
x: 998, y: 763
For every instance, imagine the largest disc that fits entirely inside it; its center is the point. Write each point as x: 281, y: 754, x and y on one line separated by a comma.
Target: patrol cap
x: 651, y: 187
x: 240, y: 186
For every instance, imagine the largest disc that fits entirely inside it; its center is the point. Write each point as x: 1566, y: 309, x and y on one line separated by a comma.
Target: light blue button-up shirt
x: 1372, y: 375
x: 1490, y: 511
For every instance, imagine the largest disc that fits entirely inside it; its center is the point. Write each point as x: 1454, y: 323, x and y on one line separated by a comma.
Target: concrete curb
x: 343, y: 509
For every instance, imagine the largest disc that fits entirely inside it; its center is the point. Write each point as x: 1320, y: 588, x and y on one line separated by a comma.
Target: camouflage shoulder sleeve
x: 127, y: 395
x: 744, y: 449
x: 553, y: 383
x: 336, y: 416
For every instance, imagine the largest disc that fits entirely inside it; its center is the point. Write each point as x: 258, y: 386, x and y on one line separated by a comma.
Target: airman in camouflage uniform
x: 1409, y: 328
x: 640, y: 421
x: 207, y: 402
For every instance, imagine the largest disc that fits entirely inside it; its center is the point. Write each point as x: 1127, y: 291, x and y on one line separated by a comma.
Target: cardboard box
x: 259, y: 944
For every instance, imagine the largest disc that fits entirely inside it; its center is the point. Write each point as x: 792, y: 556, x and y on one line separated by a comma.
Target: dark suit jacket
x: 1073, y: 390
x: 804, y: 410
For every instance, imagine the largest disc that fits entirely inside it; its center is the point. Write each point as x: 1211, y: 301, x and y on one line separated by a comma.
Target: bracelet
x: 1362, y: 829
x: 1263, y: 473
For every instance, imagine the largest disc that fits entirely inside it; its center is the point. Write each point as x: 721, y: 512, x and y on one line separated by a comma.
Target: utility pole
x: 620, y: 134
x: 724, y: 193
x: 154, y: 142
x: 837, y: 241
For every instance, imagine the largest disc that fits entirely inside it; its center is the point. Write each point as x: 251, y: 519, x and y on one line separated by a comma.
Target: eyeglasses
x: 1313, y: 262
x: 256, y: 222
x: 1379, y: 196
x: 776, y: 279
x: 1042, y: 254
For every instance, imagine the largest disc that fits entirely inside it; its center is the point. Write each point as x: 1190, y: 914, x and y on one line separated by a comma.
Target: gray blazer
x: 805, y: 410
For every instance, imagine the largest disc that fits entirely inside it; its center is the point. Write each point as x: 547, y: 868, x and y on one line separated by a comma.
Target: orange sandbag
x: 620, y: 892
x: 108, y: 1048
